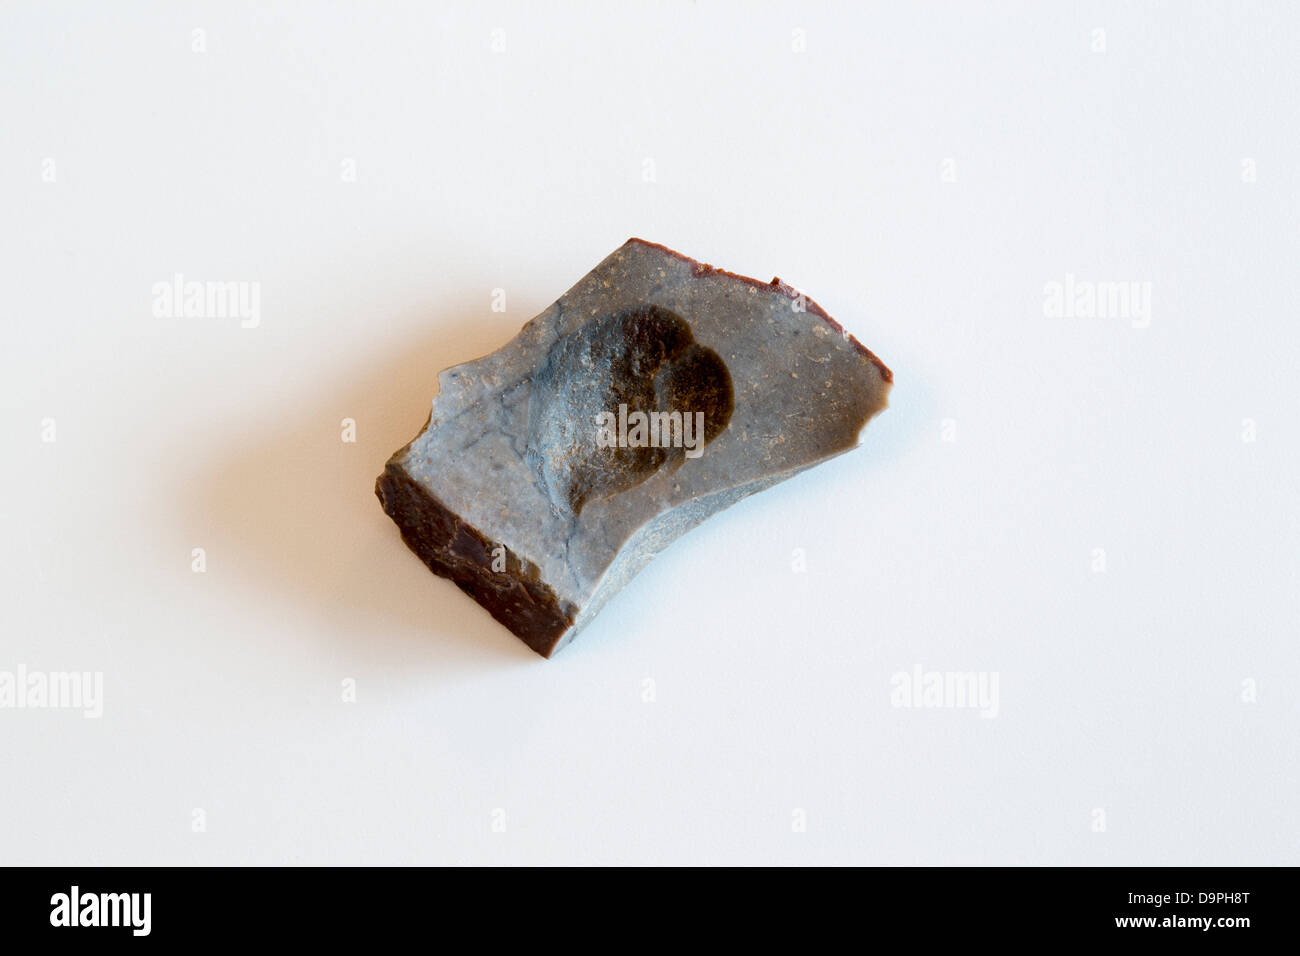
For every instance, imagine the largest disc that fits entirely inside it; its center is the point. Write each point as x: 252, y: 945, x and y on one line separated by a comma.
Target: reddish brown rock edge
x: 701, y: 269
x: 453, y: 549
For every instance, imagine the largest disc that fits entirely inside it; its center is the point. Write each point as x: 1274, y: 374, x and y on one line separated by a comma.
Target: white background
x: 923, y: 172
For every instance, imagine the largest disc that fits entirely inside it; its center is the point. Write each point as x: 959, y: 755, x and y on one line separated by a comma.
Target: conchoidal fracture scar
x: 654, y: 393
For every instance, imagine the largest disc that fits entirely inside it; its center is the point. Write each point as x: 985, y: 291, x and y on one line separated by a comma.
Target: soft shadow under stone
x: 513, y: 491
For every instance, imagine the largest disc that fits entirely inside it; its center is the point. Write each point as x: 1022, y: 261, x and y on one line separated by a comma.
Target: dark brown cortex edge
x: 517, y: 597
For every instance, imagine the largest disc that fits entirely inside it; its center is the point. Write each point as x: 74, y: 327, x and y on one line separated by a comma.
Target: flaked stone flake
x: 654, y: 393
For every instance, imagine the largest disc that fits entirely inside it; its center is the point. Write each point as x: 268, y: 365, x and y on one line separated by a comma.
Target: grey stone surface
x: 509, y: 489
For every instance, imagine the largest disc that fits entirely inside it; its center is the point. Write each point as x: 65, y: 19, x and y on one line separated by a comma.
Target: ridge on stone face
x: 653, y: 394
